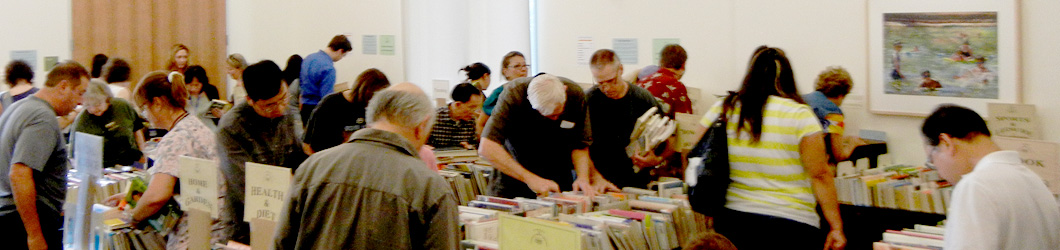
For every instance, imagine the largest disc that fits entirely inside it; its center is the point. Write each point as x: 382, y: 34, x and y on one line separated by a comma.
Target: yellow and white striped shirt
x: 768, y: 177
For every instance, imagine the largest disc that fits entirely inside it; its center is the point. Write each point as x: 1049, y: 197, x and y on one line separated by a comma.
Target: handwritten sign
x: 519, y: 233
x: 266, y: 191
x: 1013, y: 120
x: 1042, y: 157
x: 686, y: 131
x: 198, y: 185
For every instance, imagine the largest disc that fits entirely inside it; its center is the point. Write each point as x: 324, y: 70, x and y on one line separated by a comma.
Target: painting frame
x: 1007, y: 57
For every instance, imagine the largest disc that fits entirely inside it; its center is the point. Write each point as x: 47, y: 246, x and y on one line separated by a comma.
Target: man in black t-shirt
x: 613, y: 108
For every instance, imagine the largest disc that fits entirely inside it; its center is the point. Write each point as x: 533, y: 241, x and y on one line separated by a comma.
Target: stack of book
x: 650, y: 130
x: 447, y: 156
x: 903, y: 187
x: 633, y: 219
x: 467, y: 180
x: 919, y: 237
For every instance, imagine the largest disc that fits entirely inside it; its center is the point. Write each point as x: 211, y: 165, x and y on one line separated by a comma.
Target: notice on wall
x: 266, y: 192
x: 626, y: 48
x: 387, y: 45
x: 518, y: 233
x: 29, y: 56
x: 657, y: 45
x: 584, y: 49
x: 369, y: 44
x: 198, y: 185
x: 1013, y: 120
x: 440, y: 89
x: 50, y: 62
x: 1042, y: 157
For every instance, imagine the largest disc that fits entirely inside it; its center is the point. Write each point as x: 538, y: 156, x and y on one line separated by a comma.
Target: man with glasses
x: 614, y: 106
x: 997, y: 203
x: 259, y: 130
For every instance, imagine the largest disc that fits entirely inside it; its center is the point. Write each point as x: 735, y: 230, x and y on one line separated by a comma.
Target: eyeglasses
x: 274, y: 105
x: 519, y: 66
x: 930, y: 163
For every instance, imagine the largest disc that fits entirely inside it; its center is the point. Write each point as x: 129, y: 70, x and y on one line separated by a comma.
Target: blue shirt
x: 317, y: 77
x: 827, y: 112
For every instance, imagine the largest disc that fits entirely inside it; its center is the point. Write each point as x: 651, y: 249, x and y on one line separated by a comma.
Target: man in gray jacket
x: 373, y: 192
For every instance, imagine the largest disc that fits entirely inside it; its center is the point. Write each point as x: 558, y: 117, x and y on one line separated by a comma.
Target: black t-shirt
x: 332, y: 122
x: 611, y: 123
x: 541, y: 145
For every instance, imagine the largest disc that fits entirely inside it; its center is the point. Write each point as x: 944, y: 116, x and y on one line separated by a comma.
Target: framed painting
x: 925, y: 53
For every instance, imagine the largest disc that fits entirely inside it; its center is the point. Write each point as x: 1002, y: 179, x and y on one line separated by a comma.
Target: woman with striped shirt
x: 778, y: 164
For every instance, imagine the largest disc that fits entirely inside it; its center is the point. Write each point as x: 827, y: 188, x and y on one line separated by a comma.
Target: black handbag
x: 712, y: 184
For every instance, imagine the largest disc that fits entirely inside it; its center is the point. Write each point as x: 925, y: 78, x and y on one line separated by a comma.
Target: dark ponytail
x: 475, y: 71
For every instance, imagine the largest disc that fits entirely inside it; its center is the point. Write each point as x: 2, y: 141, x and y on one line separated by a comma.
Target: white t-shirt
x: 1002, y: 205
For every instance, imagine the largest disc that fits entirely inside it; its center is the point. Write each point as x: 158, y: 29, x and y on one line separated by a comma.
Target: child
x: 929, y: 84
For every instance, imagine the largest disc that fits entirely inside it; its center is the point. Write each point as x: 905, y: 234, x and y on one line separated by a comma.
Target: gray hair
x: 97, y: 91
x: 401, y: 108
x: 545, y: 93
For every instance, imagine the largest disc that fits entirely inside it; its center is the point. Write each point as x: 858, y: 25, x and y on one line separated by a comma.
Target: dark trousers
x: 13, y: 231
x: 306, y: 111
x: 750, y: 231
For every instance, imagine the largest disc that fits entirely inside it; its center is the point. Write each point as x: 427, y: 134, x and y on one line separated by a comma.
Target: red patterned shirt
x: 671, y: 92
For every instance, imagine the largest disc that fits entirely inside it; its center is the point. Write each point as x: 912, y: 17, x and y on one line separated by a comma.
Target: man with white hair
x: 373, y: 192
x: 537, y: 134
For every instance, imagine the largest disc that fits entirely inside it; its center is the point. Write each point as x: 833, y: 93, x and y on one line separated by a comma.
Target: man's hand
x: 582, y: 184
x: 542, y: 186
x: 601, y: 185
x: 36, y: 242
x: 835, y: 240
x: 647, y: 160
x: 467, y: 145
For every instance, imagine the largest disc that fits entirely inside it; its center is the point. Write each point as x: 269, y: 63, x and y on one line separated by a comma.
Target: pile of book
x: 447, y: 156
x: 114, y: 181
x: 650, y: 130
x: 632, y: 219
x: 467, y: 180
x: 912, y: 188
x: 920, y: 237
x: 118, y: 235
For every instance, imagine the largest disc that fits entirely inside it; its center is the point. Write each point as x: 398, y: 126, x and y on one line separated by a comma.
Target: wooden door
x: 144, y: 32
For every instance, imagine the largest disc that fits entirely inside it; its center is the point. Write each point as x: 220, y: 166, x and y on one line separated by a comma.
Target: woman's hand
x: 113, y: 200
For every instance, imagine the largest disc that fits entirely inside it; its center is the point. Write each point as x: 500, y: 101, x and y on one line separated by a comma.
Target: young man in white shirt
x: 998, y: 203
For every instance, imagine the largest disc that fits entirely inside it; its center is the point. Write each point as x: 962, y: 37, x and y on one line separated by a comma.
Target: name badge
x: 566, y: 124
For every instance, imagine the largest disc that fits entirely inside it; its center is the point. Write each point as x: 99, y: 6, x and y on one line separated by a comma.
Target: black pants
x: 13, y: 231
x: 750, y: 231
x: 306, y: 111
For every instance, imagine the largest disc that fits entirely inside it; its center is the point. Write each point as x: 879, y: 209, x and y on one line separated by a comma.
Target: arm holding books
x: 815, y: 162
x: 25, y: 193
x: 499, y: 157
x: 159, y: 191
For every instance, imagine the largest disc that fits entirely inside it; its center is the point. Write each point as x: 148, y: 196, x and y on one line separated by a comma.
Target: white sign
x: 266, y: 192
x: 584, y: 49
x: 88, y: 156
x: 198, y: 185
x: 1013, y: 120
x: 1042, y: 157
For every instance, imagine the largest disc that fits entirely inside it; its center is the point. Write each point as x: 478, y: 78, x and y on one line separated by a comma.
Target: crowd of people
x: 363, y: 178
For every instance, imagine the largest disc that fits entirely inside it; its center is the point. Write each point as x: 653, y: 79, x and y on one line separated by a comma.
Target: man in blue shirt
x: 317, y: 78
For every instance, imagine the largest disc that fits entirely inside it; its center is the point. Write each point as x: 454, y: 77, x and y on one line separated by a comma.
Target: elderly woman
x: 113, y: 119
x: 236, y: 64
x: 162, y: 102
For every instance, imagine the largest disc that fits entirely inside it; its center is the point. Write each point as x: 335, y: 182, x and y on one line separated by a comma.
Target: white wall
x: 276, y: 29
x: 43, y: 26
x: 720, y: 35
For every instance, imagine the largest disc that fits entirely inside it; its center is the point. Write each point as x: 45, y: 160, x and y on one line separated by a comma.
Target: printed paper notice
x: 1042, y: 157
x: 686, y: 131
x: 441, y: 88
x: 584, y: 49
x: 370, y: 44
x: 29, y: 56
x: 1013, y: 120
x: 267, y: 188
x: 626, y: 48
x: 198, y: 185
x: 519, y: 233
x: 50, y: 62
x: 386, y: 45
x: 657, y: 45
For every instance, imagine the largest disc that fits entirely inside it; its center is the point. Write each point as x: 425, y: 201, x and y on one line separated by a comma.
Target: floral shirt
x: 670, y: 92
x: 189, y: 137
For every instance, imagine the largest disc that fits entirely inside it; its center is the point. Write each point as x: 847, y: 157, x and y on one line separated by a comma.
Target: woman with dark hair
x: 116, y: 74
x: 341, y: 114
x: 199, y: 101
x: 478, y: 75
x: 778, y: 165
x: 97, y: 64
x: 19, y: 78
x: 294, y: 90
x: 178, y: 58
x: 162, y: 102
